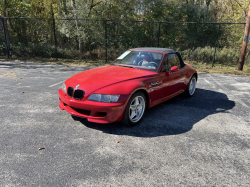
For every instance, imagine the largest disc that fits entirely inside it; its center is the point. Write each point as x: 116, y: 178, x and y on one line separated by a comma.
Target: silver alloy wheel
x: 136, y: 109
x: 192, y: 86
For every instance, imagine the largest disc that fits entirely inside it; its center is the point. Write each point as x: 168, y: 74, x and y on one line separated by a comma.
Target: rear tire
x: 191, y: 87
x: 135, y: 109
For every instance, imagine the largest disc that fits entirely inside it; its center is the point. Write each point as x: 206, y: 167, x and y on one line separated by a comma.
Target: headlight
x: 64, y: 87
x: 104, y: 98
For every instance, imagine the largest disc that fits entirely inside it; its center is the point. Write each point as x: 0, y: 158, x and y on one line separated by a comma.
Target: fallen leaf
x: 20, y: 78
x: 8, y: 74
x: 117, y: 141
x: 220, y: 109
x: 41, y: 148
x: 19, y: 84
x: 22, y: 92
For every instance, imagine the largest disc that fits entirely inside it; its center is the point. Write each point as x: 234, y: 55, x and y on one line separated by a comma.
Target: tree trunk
x: 207, y: 3
x: 77, y: 27
x: 7, y: 37
x: 65, y: 7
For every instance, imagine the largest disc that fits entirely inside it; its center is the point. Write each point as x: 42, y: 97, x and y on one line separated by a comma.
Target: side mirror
x: 174, y: 69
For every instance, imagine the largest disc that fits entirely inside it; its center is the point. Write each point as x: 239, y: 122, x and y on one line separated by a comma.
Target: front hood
x: 94, y: 79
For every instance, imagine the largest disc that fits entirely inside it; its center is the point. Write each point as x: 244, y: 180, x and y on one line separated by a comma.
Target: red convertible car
x: 138, y: 79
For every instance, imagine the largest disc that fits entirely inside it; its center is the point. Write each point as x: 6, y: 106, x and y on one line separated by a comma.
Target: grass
x: 222, y: 68
x: 200, y: 67
x: 83, y: 62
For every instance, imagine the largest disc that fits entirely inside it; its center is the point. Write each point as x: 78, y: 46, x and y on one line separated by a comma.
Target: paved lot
x: 198, y: 141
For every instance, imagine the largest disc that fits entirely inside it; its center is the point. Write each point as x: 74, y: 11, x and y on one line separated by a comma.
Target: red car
x: 138, y: 79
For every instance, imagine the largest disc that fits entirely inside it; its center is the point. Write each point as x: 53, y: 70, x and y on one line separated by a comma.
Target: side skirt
x: 165, y: 98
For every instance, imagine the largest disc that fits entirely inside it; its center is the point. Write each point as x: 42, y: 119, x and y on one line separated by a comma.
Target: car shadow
x: 175, y: 116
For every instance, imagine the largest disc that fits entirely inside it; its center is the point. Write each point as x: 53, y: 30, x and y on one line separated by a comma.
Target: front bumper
x: 97, y: 112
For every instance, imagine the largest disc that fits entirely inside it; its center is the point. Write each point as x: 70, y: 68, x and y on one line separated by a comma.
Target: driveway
x: 198, y: 141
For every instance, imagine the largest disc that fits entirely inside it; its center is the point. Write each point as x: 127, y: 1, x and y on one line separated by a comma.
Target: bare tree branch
x: 92, y: 6
x: 242, y: 8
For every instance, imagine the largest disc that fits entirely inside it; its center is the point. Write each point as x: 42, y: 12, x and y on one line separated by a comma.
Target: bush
x: 48, y: 51
x: 228, y: 56
x: 222, y: 55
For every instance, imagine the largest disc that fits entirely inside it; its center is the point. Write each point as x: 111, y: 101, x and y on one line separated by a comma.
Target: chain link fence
x: 104, y: 40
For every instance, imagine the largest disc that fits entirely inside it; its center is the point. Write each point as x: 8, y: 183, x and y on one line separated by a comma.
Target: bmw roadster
x: 137, y: 80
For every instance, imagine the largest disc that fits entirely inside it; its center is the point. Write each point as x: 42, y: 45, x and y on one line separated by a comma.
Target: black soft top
x: 163, y: 50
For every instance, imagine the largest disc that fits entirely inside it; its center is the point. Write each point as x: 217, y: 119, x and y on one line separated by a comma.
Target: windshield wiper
x: 114, y: 64
x: 126, y: 66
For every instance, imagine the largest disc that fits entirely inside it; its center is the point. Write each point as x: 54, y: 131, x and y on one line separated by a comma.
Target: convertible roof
x: 164, y: 50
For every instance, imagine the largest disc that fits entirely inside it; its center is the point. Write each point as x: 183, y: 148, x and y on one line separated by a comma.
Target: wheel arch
x: 188, y: 78
x: 196, y: 75
x: 146, y: 95
x: 125, y: 120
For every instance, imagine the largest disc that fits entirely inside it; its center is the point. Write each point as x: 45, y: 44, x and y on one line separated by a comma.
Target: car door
x: 154, y: 88
x: 172, y: 81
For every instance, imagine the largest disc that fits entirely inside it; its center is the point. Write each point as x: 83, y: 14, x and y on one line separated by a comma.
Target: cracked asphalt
x: 198, y: 141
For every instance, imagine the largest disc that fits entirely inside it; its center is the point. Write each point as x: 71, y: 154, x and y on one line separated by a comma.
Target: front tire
x: 135, y: 109
x: 191, y: 87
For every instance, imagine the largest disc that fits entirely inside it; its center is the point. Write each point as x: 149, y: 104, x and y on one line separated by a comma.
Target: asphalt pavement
x: 199, y: 141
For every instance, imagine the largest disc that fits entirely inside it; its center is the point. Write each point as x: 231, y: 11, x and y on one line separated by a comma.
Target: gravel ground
x: 198, y: 141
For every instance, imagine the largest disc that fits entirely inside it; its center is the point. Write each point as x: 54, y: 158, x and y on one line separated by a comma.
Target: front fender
x: 125, y: 89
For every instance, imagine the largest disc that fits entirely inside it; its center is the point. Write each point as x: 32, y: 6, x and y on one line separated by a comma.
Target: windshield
x: 140, y: 60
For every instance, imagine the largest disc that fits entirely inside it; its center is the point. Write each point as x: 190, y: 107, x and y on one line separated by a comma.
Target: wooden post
x: 245, y: 41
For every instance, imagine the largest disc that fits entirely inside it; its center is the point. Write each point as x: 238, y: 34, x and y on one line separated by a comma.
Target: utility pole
x: 245, y: 41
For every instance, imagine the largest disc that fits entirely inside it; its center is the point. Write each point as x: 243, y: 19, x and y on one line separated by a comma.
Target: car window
x: 141, y: 60
x: 166, y: 66
x: 157, y: 56
x: 173, y: 60
x: 170, y: 61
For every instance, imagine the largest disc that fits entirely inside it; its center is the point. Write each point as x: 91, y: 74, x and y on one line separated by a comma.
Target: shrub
x: 204, y: 55
x: 222, y: 55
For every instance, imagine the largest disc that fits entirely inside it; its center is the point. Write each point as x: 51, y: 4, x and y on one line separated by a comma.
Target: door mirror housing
x: 174, y: 69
